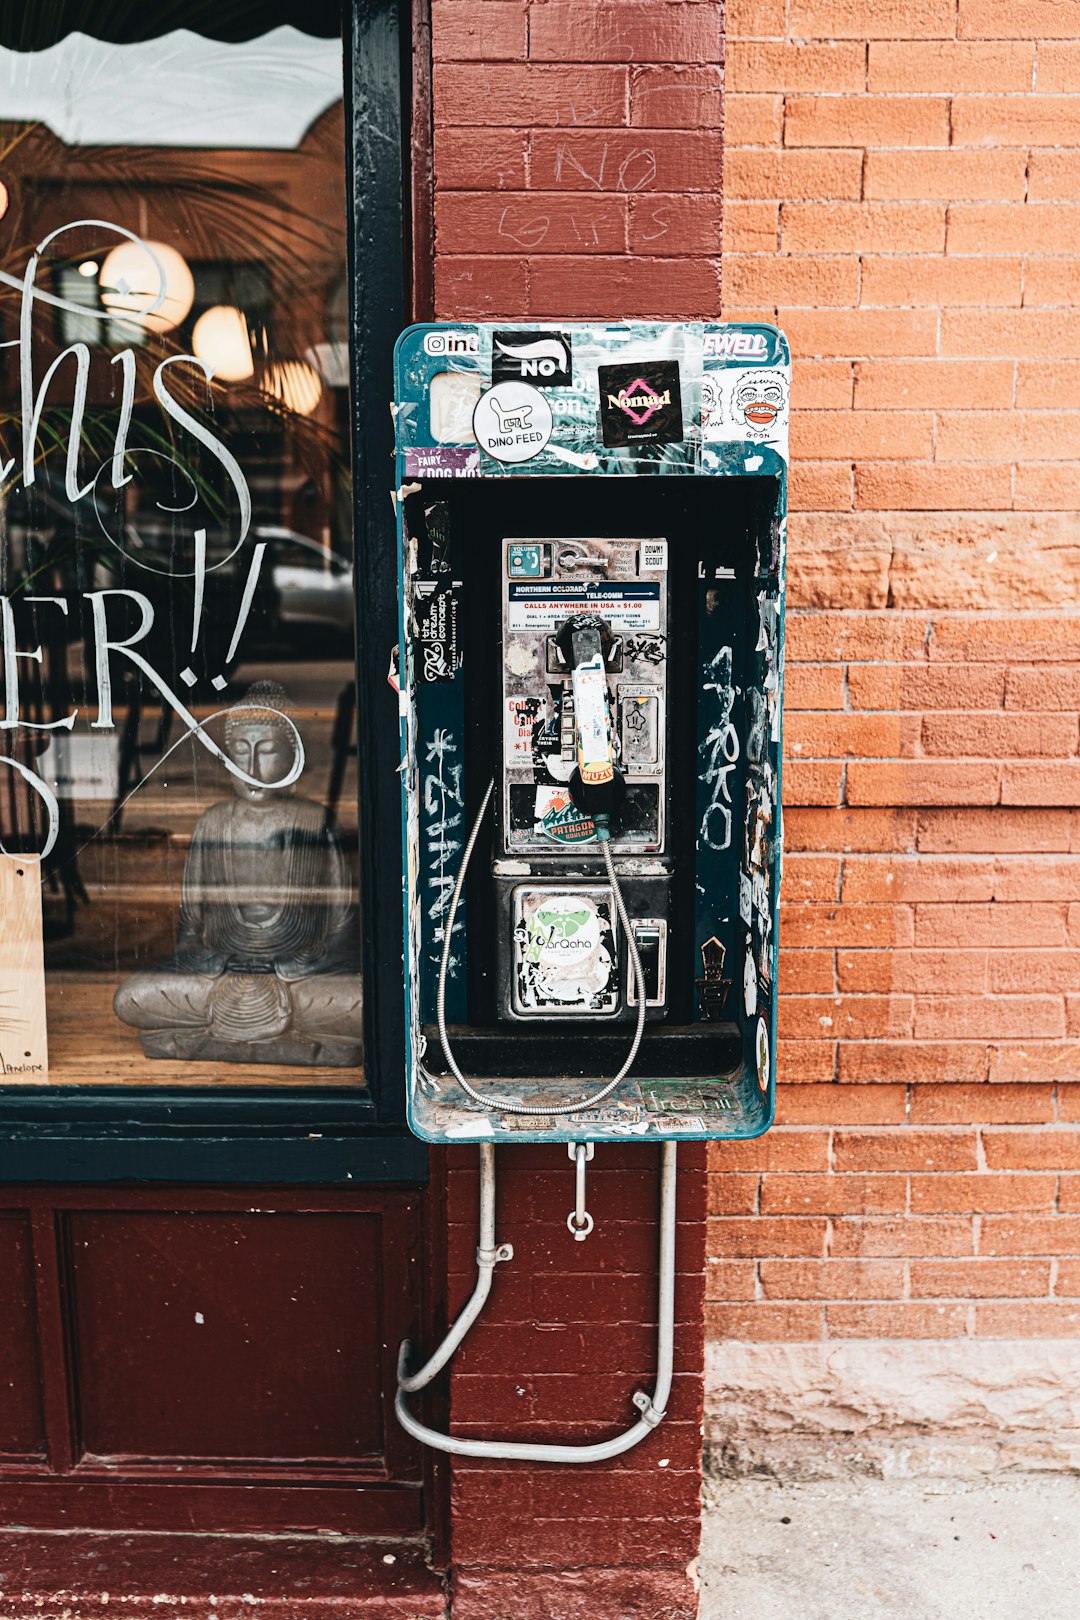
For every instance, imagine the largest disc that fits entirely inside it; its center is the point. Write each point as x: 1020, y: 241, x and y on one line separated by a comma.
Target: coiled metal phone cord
x: 514, y: 1105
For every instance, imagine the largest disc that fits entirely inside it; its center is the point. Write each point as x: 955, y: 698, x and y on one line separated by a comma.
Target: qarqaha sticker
x: 512, y: 421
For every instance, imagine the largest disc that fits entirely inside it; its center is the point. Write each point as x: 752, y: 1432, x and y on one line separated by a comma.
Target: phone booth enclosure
x: 630, y: 478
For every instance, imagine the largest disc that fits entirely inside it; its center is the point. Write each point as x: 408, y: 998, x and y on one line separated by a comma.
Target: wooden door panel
x: 22, y: 1425
x: 218, y: 1336
x: 207, y: 1358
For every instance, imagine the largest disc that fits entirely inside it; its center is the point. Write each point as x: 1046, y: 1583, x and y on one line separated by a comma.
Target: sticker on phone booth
x: 526, y: 562
x: 452, y: 399
x: 512, y: 422
x: 640, y: 724
x: 558, y: 817
x: 519, y: 727
x: 565, y: 957
x: 640, y: 403
x: 544, y: 358
x: 591, y: 721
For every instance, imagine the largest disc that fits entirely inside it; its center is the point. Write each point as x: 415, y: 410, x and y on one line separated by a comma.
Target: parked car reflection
x: 312, y: 586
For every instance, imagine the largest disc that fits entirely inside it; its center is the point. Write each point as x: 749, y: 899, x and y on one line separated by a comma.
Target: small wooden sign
x: 24, y: 1053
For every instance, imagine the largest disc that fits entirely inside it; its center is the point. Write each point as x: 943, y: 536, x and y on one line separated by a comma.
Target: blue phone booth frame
x: 717, y: 396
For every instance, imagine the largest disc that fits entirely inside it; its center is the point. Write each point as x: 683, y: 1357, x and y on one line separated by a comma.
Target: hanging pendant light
x: 221, y: 339
x: 131, y: 284
x: 294, y: 384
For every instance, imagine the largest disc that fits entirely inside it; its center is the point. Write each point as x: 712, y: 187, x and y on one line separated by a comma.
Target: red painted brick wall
x: 568, y: 1336
x: 577, y: 157
x: 903, y: 192
x: 577, y: 173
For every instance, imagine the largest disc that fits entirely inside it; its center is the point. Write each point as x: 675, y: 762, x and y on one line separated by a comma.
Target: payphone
x: 589, y: 674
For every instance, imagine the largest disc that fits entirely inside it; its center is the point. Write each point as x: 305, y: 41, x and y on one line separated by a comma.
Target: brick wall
x: 902, y: 197
x: 567, y: 1338
x: 577, y: 173
x: 903, y: 193
x: 577, y: 157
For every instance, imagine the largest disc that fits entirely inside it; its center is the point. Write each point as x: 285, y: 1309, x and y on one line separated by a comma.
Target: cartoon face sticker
x: 712, y: 402
x: 760, y: 403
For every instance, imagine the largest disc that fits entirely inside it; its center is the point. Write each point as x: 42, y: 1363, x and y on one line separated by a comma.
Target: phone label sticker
x: 546, y: 605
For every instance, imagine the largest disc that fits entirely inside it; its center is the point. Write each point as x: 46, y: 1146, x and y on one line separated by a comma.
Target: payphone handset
x: 584, y: 707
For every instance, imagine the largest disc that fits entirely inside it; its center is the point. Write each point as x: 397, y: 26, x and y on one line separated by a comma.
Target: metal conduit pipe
x: 652, y: 1408
x: 488, y: 1254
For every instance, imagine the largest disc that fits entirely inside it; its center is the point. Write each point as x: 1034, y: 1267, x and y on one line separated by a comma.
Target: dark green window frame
x: 230, y: 1134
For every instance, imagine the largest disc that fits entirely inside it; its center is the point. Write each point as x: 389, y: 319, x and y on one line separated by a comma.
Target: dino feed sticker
x: 512, y: 421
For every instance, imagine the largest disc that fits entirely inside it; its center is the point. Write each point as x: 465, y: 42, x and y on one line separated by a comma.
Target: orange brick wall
x: 902, y: 194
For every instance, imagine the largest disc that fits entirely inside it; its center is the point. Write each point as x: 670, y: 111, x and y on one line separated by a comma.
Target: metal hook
x: 579, y: 1220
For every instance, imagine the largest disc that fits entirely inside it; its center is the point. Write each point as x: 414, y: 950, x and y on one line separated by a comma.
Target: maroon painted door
x: 218, y: 1360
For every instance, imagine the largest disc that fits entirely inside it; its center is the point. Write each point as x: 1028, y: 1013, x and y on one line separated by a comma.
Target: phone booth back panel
x: 592, y: 526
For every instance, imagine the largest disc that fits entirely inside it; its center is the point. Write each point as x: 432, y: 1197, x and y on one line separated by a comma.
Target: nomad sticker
x: 640, y: 403
x: 542, y: 358
x: 512, y: 421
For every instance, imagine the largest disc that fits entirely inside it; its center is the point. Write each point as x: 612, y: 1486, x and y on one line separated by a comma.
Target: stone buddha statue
x: 266, y: 966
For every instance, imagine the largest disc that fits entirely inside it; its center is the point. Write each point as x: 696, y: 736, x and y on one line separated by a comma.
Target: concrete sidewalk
x: 873, y: 1549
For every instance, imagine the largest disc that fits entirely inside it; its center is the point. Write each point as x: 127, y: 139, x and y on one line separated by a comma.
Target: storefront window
x: 176, y: 557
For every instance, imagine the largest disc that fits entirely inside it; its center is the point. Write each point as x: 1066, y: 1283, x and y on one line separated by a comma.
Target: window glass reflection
x: 176, y: 553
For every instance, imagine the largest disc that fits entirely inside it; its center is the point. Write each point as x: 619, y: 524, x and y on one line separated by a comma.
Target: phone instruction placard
x: 544, y: 606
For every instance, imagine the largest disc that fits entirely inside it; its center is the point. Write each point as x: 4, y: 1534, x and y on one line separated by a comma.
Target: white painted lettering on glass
x: 108, y: 644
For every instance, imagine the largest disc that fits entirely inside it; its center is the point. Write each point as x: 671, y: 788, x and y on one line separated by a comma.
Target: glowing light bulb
x: 5, y: 198
x: 295, y: 384
x: 221, y: 338
x: 131, y: 283
x: 89, y: 267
